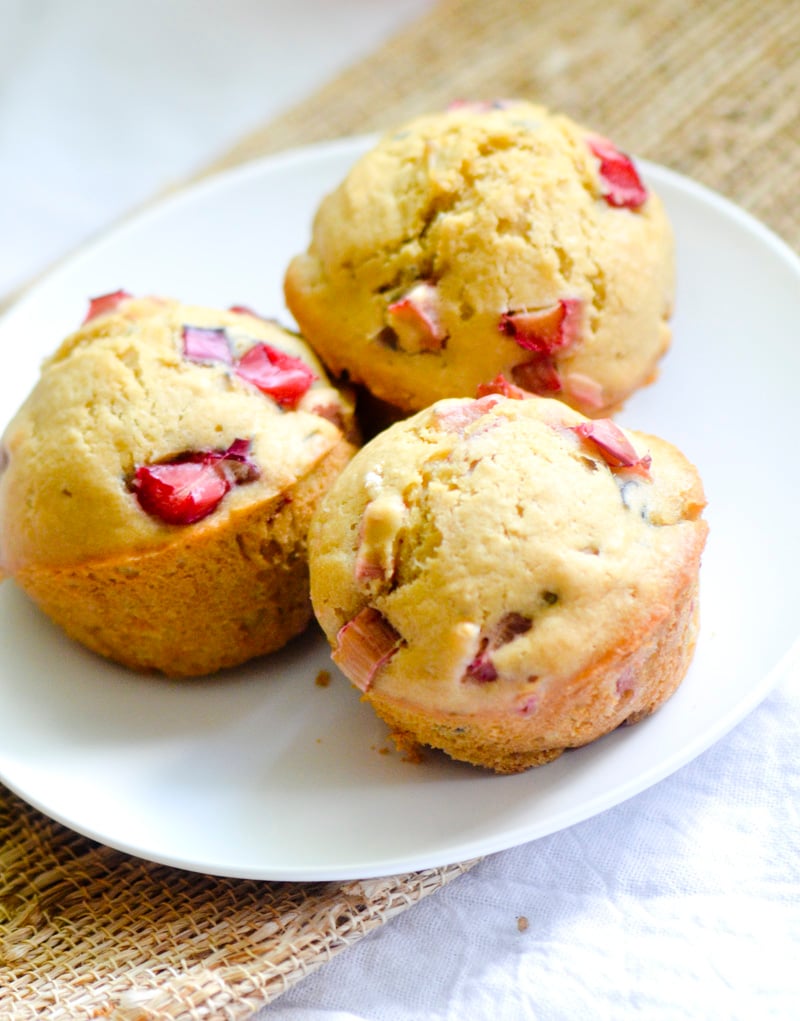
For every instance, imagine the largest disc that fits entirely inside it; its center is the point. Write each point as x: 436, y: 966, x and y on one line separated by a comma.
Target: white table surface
x: 683, y: 902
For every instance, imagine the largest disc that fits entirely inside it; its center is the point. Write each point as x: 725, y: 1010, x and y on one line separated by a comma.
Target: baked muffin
x: 159, y: 480
x: 492, y: 238
x: 504, y: 578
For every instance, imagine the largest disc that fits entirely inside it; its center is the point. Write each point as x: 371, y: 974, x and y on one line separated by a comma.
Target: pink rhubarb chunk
x: 191, y: 486
x: 621, y: 182
x: 544, y: 330
x: 584, y: 390
x: 538, y: 376
x: 415, y: 319
x: 104, y: 304
x: 206, y: 344
x: 509, y: 627
x: 501, y: 386
x: 245, y: 310
x: 455, y: 419
x: 363, y: 645
x: 616, y: 449
x: 277, y: 374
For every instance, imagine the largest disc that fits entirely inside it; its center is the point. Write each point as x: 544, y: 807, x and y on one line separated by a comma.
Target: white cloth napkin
x: 683, y: 902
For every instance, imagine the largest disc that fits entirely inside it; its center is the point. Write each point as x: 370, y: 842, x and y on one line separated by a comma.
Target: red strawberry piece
x: 500, y: 385
x: 364, y: 645
x: 104, y: 304
x: 277, y: 374
x: 544, y: 330
x: 416, y: 321
x: 614, y: 446
x: 191, y: 486
x: 206, y: 344
x: 538, y: 376
x: 621, y: 182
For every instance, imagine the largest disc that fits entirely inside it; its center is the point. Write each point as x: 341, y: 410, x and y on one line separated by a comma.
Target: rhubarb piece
x: 191, y: 486
x: 544, y: 330
x: 104, y: 304
x: 614, y: 446
x: 332, y: 412
x: 277, y: 374
x: 583, y: 389
x: 415, y: 319
x: 622, y: 186
x: 529, y: 705
x: 380, y: 523
x: 538, y: 376
x: 206, y: 344
x: 500, y: 385
x: 363, y: 645
x: 456, y: 419
x: 245, y: 310
x: 509, y: 627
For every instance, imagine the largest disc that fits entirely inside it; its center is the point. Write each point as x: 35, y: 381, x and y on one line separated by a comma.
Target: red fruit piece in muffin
x: 616, y: 449
x: 364, y: 644
x: 415, y: 319
x: 622, y: 185
x: 206, y: 344
x: 190, y: 487
x: 104, y: 304
x: 275, y: 373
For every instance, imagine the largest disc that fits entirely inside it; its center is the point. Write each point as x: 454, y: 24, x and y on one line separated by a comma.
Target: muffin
x: 158, y: 483
x: 505, y: 578
x: 491, y: 238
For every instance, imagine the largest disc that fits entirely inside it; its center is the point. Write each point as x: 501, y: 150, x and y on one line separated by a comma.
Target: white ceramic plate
x: 261, y: 773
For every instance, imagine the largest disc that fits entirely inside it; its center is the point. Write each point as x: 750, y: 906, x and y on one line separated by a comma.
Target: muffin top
x: 150, y: 382
x: 491, y: 238
x: 500, y: 539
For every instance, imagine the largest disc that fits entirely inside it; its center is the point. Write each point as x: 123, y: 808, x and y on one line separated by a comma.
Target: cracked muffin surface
x: 159, y: 480
x: 492, y: 238
x: 505, y: 578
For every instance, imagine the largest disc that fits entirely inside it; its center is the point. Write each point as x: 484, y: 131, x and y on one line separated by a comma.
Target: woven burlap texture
x: 711, y: 90
x: 87, y: 932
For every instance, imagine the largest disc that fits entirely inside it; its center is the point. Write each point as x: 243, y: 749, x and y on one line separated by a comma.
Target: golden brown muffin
x: 160, y: 478
x: 505, y: 578
x: 492, y: 238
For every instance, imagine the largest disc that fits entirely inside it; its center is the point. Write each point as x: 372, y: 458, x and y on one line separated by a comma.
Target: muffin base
x: 623, y: 688
x: 212, y: 598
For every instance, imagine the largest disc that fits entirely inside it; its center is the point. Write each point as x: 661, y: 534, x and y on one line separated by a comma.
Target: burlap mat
x: 712, y: 90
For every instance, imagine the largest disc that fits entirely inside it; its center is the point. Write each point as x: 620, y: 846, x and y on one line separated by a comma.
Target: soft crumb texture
x: 489, y: 239
x: 121, y: 392
x: 532, y: 595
